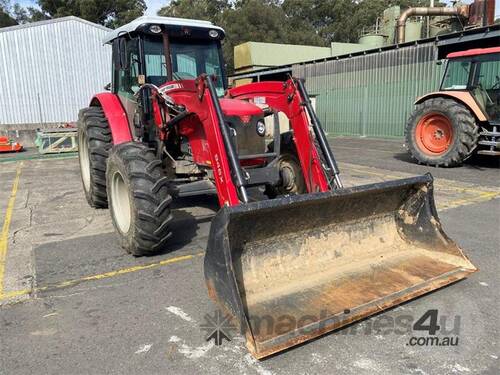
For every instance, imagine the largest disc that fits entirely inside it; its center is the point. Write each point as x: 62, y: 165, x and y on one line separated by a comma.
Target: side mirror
x: 108, y: 87
x: 439, y: 62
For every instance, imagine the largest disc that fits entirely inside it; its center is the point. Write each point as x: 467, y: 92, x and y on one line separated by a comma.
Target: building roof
x: 138, y: 22
x: 256, y: 54
x: 51, y: 21
x: 474, y: 52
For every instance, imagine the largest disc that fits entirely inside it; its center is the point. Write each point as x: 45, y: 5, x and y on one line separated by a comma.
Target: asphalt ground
x: 73, y: 302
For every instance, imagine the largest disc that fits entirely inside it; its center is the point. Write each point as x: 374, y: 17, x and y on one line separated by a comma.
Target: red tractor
x: 449, y: 125
x: 289, y: 240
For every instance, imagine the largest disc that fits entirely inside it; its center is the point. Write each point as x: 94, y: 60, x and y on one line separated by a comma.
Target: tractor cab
x: 140, y: 49
x: 477, y: 72
x: 158, y: 50
x: 170, y: 54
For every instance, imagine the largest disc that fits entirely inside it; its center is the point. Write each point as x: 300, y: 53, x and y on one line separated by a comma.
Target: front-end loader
x: 289, y: 239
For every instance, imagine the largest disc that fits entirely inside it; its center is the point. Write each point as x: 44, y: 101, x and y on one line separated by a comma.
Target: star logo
x: 218, y: 327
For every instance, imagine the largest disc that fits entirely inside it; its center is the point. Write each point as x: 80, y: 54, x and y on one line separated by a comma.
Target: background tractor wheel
x: 138, y: 198
x: 441, y: 132
x: 292, y: 178
x: 94, y: 142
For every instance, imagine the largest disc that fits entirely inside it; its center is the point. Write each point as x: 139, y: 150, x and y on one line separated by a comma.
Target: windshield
x: 457, y: 75
x: 189, y: 60
x: 486, y: 85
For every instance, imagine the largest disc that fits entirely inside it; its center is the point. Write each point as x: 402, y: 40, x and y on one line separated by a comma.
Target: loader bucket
x: 294, y: 268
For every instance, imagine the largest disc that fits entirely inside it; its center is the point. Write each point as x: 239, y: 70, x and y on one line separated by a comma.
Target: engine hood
x: 235, y: 107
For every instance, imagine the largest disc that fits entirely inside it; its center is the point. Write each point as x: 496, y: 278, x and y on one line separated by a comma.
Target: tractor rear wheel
x: 292, y: 178
x: 139, y: 199
x: 441, y: 132
x: 94, y: 142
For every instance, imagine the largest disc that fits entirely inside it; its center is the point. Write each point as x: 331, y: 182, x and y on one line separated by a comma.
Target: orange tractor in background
x: 463, y: 118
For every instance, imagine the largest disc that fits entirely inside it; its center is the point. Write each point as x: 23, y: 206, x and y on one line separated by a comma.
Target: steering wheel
x: 489, y: 101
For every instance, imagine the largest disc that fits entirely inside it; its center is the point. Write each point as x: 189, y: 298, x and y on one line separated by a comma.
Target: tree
x: 5, y: 18
x: 342, y: 20
x: 311, y: 22
x: 208, y: 10
x: 245, y: 20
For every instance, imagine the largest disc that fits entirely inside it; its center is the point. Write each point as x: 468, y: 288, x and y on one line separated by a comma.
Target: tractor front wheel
x: 139, y: 199
x: 441, y: 132
x: 292, y: 179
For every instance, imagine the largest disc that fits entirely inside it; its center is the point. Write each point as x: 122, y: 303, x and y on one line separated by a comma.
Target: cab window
x: 128, y: 83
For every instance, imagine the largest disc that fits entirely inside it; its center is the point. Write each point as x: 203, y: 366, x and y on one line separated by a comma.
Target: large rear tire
x: 94, y: 142
x: 441, y: 132
x: 138, y: 198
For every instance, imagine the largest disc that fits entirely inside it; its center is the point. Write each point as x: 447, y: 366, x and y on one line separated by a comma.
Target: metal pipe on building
x: 462, y: 11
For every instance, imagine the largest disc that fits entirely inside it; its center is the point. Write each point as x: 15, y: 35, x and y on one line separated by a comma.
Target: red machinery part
x: 6, y: 145
x: 115, y: 115
x: 284, y: 97
x: 434, y: 134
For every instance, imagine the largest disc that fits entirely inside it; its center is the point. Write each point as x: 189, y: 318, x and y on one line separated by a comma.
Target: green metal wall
x: 373, y: 94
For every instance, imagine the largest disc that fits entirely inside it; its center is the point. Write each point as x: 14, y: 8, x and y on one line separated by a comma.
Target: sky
x: 155, y: 5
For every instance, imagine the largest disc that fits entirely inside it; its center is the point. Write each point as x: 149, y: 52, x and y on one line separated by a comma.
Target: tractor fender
x: 116, y: 116
x: 464, y: 98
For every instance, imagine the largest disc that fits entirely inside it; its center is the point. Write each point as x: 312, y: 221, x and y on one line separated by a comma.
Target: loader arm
x: 291, y: 99
x: 288, y: 97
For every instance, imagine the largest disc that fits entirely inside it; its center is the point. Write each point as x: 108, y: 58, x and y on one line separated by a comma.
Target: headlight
x: 261, y: 128
x: 213, y: 34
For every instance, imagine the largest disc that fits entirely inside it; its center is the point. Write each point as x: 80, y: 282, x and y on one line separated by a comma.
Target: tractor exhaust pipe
x: 462, y: 11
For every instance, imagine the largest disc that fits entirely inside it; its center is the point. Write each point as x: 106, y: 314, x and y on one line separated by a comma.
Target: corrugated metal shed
x: 51, y: 69
x: 371, y: 95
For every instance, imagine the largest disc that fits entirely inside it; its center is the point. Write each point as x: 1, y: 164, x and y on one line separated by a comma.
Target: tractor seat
x: 157, y: 80
x: 482, y: 97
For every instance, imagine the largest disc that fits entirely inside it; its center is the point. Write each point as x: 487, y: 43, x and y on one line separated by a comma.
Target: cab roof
x: 473, y: 52
x: 155, y: 20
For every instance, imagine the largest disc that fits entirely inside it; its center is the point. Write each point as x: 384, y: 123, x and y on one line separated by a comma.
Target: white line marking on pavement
x: 51, y: 314
x: 181, y: 314
x: 174, y: 339
x: 192, y: 353
x: 144, y: 349
x: 459, y: 368
x: 368, y: 364
x: 256, y: 365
